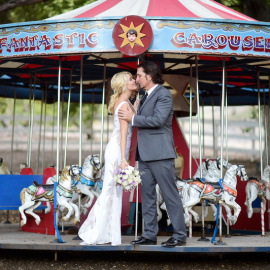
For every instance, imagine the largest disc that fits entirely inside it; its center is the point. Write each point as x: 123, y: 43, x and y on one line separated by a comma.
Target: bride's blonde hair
x: 118, y: 85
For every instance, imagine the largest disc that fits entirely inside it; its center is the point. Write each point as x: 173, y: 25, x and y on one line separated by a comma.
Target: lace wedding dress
x: 103, y: 224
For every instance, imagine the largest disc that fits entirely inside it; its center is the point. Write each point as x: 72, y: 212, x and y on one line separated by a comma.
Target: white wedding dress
x: 103, y: 224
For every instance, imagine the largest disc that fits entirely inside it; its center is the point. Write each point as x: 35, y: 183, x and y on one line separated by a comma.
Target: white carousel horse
x: 212, y: 191
x: 210, y: 172
x: 180, y: 184
x: 259, y: 188
x: 90, y: 182
x: 3, y: 167
x: 32, y: 196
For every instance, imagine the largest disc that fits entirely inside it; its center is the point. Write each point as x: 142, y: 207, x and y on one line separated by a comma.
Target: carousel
x: 209, y: 54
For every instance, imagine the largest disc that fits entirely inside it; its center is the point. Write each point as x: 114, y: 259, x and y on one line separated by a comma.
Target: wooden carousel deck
x: 12, y: 238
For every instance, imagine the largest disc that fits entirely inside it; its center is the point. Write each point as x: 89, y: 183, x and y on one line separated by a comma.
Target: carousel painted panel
x: 211, y: 37
x: 174, y: 35
x: 56, y: 38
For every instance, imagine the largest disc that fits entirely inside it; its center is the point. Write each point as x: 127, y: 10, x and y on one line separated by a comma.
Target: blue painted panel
x: 169, y: 35
x: 11, y: 187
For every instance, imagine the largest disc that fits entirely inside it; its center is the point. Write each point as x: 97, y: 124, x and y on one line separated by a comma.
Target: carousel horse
x: 90, y: 183
x: 259, y: 188
x: 35, y: 194
x: 213, y: 191
x: 3, y: 167
x: 210, y: 171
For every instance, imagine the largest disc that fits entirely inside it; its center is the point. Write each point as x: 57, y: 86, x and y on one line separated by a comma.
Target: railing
x: 243, y: 136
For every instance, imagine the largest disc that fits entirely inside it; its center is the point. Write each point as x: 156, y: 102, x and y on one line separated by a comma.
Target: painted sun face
x: 132, y: 39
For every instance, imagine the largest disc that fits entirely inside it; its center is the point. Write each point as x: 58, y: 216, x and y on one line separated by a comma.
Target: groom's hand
x: 125, y: 114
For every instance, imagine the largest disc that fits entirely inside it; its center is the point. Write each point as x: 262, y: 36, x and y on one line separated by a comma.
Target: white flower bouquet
x: 128, y: 178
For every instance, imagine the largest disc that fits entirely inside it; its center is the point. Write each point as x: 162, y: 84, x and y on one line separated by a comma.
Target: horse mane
x: 64, y: 174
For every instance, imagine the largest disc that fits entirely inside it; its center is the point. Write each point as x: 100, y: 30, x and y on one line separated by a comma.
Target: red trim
x: 172, y: 9
x: 98, y: 9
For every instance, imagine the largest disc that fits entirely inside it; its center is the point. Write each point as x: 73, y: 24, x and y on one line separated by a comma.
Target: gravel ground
x: 24, y: 260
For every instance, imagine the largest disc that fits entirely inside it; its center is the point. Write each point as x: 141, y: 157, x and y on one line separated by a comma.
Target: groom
x: 155, y: 153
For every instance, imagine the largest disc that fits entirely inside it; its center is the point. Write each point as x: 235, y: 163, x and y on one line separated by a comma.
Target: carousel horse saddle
x: 200, y: 180
x: 253, y: 178
x: 215, y: 185
x: 183, y: 180
x: 45, y: 187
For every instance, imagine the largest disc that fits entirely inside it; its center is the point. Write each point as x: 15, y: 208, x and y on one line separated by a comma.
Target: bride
x: 103, y: 224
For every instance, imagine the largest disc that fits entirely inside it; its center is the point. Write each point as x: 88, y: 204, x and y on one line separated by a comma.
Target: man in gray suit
x: 156, y: 153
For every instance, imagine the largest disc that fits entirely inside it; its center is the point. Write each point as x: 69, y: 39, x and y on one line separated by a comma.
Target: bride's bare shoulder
x: 123, y: 106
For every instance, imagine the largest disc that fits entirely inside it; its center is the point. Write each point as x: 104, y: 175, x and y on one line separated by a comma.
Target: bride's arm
x: 123, y: 140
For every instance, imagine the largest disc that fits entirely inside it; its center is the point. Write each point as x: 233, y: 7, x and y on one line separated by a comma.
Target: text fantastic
x: 59, y: 41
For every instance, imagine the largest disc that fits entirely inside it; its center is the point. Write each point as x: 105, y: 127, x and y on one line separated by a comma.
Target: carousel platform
x: 12, y: 238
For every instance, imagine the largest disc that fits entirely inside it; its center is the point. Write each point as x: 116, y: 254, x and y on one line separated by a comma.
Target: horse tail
x: 22, y: 196
x: 247, y: 191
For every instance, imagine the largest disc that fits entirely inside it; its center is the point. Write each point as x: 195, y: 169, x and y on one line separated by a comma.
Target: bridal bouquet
x: 128, y: 178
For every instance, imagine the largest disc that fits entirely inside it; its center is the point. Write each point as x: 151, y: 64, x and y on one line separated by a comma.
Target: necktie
x: 143, y: 98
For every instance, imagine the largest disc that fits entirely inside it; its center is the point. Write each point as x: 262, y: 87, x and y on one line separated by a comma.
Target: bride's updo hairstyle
x: 118, y: 85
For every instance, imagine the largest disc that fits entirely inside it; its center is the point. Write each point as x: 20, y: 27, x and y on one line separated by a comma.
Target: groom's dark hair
x: 152, y: 69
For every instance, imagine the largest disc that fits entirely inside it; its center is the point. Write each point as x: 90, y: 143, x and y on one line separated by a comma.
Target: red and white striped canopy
x: 160, y: 8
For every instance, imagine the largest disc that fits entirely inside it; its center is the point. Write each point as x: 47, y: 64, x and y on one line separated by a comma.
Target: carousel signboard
x: 133, y: 35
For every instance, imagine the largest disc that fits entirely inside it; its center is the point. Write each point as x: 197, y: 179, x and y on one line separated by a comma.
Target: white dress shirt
x: 149, y: 93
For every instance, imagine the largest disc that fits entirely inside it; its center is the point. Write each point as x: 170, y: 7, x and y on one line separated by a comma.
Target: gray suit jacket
x: 154, y: 122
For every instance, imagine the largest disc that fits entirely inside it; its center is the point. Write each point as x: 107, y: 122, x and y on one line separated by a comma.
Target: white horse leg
x: 252, y: 193
x: 31, y: 209
x: 63, y: 202
x: 77, y: 212
x: 228, y: 210
x: 91, y: 196
x: 163, y: 207
x: 96, y: 194
x: 231, y: 203
x: 27, y: 203
x: 205, y: 211
x: 214, y: 209
x: 194, y: 214
x: 159, y: 213
x: 48, y: 209
x: 194, y: 198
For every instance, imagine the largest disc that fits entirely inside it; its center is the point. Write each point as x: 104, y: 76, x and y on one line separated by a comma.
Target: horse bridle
x: 70, y: 170
x: 240, y: 168
x: 94, y: 163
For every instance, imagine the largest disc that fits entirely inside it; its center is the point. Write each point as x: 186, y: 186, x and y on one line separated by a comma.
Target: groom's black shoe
x: 172, y: 242
x: 143, y: 241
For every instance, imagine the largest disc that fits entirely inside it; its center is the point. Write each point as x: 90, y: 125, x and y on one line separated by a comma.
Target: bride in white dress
x: 103, y: 224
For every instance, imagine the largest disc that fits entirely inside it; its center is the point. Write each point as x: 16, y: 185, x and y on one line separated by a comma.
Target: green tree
x: 36, y: 10
x: 256, y: 9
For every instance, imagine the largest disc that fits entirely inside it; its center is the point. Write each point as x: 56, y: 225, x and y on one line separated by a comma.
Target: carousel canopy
x: 158, y: 8
x: 19, y: 74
